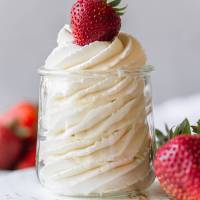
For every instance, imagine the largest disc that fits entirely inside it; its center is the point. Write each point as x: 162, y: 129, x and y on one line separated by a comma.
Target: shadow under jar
x: 96, y: 132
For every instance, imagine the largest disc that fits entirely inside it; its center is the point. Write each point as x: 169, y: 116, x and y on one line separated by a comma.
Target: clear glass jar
x: 96, y: 132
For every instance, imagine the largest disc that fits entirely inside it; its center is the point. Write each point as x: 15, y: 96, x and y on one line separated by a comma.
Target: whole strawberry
x: 10, y: 148
x: 22, y: 118
x: 95, y: 20
x: 177, y: 163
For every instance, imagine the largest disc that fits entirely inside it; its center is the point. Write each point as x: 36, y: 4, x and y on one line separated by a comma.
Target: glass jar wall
x: 96, y: 132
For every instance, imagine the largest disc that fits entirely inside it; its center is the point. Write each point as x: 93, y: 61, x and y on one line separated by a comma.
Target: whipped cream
x: 124, y: 52
x: 96, y: 133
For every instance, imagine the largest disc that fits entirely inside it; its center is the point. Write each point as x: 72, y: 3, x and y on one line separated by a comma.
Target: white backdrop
x: 169, y: 31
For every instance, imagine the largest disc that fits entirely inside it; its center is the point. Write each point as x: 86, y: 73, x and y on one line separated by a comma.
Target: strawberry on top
x: 95, y: 20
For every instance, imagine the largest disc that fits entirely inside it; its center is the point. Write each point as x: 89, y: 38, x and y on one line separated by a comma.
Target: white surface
x: 23, y: 185
x: 4, y: 173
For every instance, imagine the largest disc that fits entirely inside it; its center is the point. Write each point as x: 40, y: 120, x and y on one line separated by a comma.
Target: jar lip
x: 145, y: 70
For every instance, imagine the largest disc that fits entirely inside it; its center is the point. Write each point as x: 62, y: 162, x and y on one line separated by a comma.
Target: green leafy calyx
x: 196, y: 129
x: 182, y: 129
x: 114, y: 4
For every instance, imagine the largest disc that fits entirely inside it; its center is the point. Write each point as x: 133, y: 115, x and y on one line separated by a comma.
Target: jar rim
x: 145, y: 70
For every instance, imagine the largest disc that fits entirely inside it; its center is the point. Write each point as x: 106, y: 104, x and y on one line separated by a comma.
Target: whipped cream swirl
x: 124, y: 52
x: 95, y: 128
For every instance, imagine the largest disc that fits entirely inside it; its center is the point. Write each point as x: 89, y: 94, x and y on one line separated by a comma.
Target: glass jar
x: 96, y: 132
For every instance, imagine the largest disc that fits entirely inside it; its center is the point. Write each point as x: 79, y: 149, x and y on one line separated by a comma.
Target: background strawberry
x: 21, y: 121
x: 28, y: 160
x: 22, y: 118
x: 177, y: 163
x: 10, y: 148
x: 95, y: 20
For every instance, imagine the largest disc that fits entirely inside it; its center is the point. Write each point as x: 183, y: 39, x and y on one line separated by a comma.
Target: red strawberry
x: 24, y: 118
x: 95, y: 20
x: 28, y: 160
x: 10, y: 148
x: 177, y: 164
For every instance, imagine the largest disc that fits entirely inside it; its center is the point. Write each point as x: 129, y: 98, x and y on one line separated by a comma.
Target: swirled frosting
x: 94, y: 125
x: 123, y: 52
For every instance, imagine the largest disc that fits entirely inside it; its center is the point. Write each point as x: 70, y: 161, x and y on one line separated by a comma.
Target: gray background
x: 169, y: 31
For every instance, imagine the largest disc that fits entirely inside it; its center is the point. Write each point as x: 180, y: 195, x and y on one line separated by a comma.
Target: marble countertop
x: 23, y: 185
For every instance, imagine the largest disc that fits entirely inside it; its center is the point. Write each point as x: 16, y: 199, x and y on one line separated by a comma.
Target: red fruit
x: 177, y: 166
x: 95, y: 20
x: 28, y: 160
x: 24, y: 117
x: 10, y: 148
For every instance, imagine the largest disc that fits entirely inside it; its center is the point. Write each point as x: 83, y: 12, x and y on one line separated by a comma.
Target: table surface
x: 23, y: 185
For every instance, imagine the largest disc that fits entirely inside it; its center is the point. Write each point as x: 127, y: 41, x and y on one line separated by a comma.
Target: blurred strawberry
x: 10, y: 148
x: 22, y: 118
x: 95, y: 20
x: 28, y: 160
